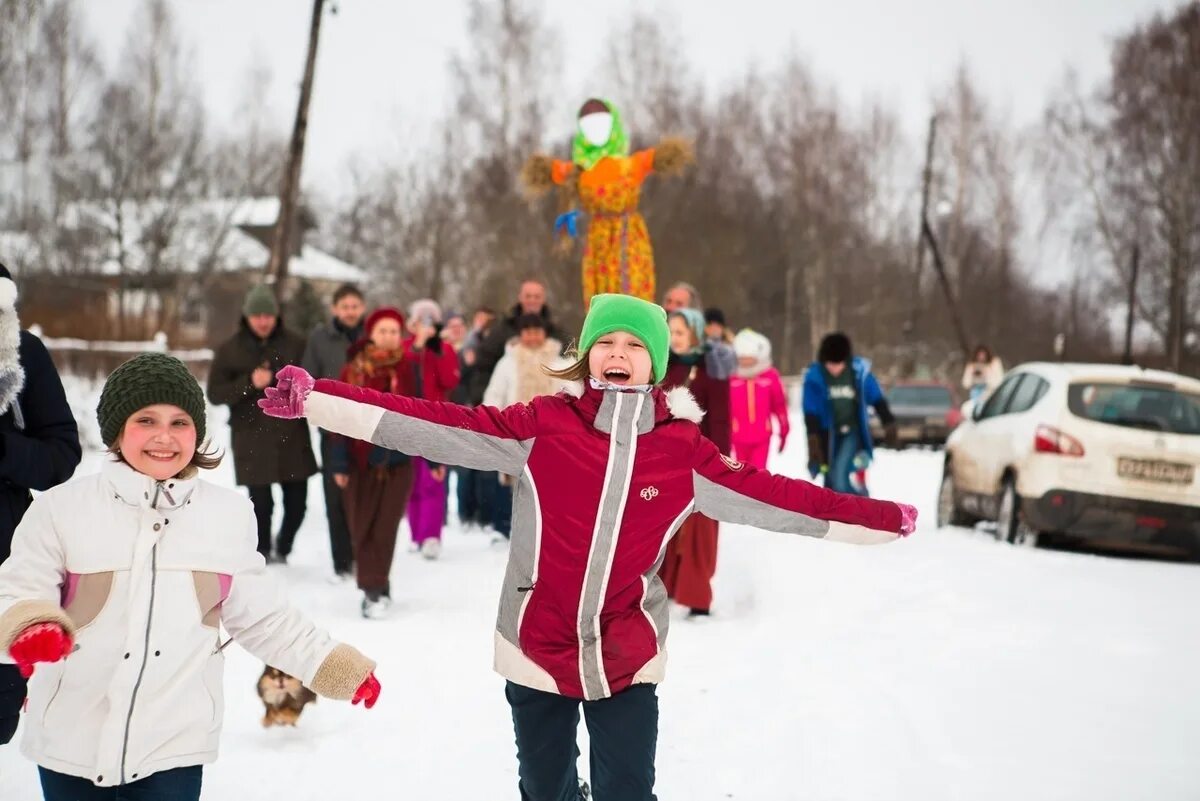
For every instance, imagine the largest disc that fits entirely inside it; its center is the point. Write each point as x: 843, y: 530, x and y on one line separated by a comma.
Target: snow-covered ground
x: 944, y: 667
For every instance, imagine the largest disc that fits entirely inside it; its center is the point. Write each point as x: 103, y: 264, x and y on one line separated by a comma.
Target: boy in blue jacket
x: 838, y: 388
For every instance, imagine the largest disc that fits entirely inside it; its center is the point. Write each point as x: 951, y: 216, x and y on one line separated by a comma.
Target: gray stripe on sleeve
x: 721, y: 503
x: 446, y: 445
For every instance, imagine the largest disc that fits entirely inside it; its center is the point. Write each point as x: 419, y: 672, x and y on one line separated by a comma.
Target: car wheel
x: 1010, y: 527
x: 948, y: 511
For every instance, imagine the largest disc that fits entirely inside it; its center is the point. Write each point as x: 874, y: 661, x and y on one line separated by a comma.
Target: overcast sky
x: 902, y: 51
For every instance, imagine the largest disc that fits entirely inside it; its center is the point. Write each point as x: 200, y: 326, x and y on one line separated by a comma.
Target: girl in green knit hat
x: 115, y: 594
x: 606, y: 474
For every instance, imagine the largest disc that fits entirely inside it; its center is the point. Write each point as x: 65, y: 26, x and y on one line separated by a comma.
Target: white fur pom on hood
x: 683, y: 405
x: 8, y: 293
x: 12, y: 375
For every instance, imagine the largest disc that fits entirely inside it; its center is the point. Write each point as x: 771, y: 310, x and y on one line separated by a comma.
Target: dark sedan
x: 926, y: 412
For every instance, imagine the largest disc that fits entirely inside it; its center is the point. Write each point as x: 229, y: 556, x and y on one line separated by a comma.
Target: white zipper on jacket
x: 146, y: 648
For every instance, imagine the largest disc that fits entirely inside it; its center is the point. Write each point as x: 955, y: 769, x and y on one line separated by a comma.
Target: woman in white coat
x: 116, y: 590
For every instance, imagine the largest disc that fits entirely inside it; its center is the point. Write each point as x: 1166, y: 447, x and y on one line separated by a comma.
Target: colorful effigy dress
x: 602, y: 183
x: 617, y: 256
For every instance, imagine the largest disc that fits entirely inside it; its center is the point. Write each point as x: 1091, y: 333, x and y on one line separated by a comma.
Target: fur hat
x: 145, y: 380
x: 425, y: 309
x: 645, y: 320
x: 751, y: 344
x: 835, y: 348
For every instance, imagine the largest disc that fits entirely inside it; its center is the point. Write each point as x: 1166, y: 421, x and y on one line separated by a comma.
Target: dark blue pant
x: 335, y: 511
x: 502, y: 498
x: 467, y: 490
x: 295, y: 501
x: 180, y: 784
x: 12, y: 696
x: 623, y: 731
x: 842, y: 465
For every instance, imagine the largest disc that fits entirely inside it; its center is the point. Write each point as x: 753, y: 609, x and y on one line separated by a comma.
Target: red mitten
x: 908, y: 519
x: 41, y: 642
x: 367, y: 692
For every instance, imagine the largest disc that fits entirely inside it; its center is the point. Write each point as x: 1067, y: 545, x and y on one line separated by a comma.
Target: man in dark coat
x: 324, y: 357
x: 39, y: 449
x: 531, y: 299
x: 266, y: 451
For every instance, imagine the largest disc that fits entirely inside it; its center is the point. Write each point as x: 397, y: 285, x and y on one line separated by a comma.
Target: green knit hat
x: 646, y: 321
x: 144, y: 381
x: 260, y: 300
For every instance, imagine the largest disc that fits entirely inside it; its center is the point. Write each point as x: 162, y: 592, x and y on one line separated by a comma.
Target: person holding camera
x: 983, y: 373
x: 436, y: 374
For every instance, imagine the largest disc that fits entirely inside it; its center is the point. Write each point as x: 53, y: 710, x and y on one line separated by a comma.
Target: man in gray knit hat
x: 266, y: 451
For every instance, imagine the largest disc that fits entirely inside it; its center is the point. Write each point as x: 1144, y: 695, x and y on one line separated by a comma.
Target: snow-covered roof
x: 210, y: 232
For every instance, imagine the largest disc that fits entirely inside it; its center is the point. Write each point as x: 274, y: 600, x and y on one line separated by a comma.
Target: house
x: 130, y: 270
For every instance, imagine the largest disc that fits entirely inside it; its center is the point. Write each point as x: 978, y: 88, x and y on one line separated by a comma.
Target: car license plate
x: 1153, y: 470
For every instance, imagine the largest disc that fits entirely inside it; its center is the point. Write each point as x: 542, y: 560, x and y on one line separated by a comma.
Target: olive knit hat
x: 646, y: 321
x: 145, y: 380
x: 260, y: 300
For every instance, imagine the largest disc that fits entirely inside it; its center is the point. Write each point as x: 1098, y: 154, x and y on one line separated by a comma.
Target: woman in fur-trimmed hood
x: 39, y: 449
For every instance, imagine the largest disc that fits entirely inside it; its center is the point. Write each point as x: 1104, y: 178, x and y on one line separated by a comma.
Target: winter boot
x: 431, y: 548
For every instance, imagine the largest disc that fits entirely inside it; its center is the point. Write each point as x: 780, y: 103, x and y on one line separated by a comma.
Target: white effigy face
x: 596, y: 128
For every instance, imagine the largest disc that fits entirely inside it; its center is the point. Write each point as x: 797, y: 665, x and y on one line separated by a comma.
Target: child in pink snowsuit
x: 437, y: 375
x: 755, y: 397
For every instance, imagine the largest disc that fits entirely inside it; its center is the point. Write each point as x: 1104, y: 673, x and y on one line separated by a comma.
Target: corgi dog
x: 283, y: 696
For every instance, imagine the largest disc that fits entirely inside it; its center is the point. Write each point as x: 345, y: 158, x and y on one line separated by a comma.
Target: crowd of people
x: 549, y: 439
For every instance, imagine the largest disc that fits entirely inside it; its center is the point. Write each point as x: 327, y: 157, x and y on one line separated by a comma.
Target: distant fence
x: 96, y: 359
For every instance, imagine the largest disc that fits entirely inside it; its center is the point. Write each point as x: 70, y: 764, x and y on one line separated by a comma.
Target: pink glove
x: 286, y: 398
x: 367, y: 692
x: 908, y: 519
x: 41, y: 642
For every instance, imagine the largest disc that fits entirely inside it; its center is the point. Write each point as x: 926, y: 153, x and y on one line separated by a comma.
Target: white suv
x: 1099, y: 452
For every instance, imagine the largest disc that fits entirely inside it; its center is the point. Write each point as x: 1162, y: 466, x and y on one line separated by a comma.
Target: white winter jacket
x: 145, y: 573
x: 519, y: 378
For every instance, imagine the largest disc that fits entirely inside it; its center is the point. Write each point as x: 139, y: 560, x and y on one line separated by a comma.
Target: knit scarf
x: 374, y: 368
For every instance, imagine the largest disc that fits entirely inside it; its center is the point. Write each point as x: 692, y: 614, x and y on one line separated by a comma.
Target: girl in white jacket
x: 119, y: 583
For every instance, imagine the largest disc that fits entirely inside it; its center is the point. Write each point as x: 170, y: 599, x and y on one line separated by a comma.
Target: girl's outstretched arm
x: 480, y: 438
x: 738, y: 493
x: 255, y: 611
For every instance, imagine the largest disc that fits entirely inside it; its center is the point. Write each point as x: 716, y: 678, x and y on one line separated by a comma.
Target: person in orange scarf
x: 606, y: 181
x: 376, y: 482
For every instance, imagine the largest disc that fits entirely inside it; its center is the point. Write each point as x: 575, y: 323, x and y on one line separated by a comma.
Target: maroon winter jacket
x: 604, y: 480
x: 713, y: 396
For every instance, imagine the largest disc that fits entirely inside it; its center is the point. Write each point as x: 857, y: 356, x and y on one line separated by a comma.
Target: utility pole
x: 1135, y: 257
x: 919, y: 267
x: 281, y: 240
x: 925, y: 237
